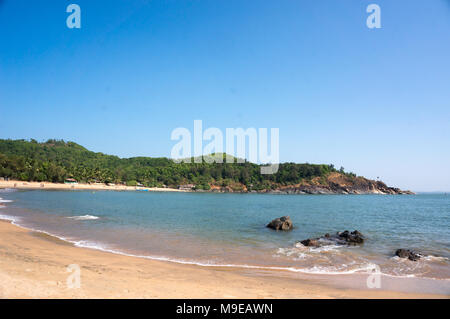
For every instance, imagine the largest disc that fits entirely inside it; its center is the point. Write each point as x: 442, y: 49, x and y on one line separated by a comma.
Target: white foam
x: 363, y: 268
x: 5, y: 201
x: 297, y: 255
x: 434, y: 258
x: 102, y: 247
x: 422, y: 258
x: 325, y: 248
x: 330, y: 246
x: 12, y: 219
x: 84, y: 217
x: 91, y: 245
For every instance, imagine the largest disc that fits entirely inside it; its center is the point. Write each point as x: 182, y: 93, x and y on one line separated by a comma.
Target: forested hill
x: 56, y: 160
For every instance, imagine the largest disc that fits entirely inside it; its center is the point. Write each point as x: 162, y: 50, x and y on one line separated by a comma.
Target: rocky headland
x: 334, y: 183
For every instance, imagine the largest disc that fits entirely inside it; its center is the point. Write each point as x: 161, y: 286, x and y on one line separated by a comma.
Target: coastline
x: 34, y: 265
x: 336, y: 189
x: 79, y: 186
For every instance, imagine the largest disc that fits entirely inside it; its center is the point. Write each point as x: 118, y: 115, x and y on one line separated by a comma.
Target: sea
x: 229, y: 230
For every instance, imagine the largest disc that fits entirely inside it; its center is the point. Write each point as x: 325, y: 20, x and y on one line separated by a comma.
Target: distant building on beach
x: 187, y: 187
x: 70, y: 181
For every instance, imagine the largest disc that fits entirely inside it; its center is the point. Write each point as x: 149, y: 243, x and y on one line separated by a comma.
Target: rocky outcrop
x: 359, y: 187
x: 406, y: 253
x: 340, y: 238
x: 334, y: 183
x: 310, y: 242
x: 282, y: 223
x: 353, y: 238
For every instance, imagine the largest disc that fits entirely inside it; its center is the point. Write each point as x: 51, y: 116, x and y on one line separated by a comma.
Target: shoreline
x: 291, y: 190
x: 79, y: 186
x: 34, y: 265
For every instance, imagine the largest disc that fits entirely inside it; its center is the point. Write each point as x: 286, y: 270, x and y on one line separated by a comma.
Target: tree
x: 56, y: 160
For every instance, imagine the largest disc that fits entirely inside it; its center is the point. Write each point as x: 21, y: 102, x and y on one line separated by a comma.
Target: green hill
x: 56, y: 160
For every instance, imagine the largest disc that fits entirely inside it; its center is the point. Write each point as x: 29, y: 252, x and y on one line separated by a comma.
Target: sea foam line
x: 12, y: 219
x: 98, y: 246
x: 84, y: 217
x: 314, y: 270
x: 368, y: 268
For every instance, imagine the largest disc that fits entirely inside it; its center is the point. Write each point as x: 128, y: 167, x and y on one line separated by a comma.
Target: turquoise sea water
x: 229, y: 229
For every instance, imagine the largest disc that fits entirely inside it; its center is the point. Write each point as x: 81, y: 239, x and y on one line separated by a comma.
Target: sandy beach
x: 78, y: 186
x: 34, y: 265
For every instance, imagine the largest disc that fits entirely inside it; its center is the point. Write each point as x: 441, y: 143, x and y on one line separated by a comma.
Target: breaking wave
x: 84, y: 217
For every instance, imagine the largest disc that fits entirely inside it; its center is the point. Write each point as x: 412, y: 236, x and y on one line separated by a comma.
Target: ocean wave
x: 348, y: 268
x: 5, y: 201
x: 363, y: 268
x: 435, y: 258
x: 84, y: 217
x: 91, y: 245
x: 422, y: 259
x: 289, y: 252
x: 329, y: 246
x: 12, y: 219
x: 341, y: 269
x: 367, y: 268
x: 302, y: 251
x: 312, y: 270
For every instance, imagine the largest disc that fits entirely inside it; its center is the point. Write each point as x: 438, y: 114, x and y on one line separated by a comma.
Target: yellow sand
x: 96, y: 186
x: 34, y: 265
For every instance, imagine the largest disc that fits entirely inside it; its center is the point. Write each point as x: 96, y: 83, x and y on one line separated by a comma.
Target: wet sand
x: 34, y: 265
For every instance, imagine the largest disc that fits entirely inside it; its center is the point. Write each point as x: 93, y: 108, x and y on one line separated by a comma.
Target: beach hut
x: 70, y: 181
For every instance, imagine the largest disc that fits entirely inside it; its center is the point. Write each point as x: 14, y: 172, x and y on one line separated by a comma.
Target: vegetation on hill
x: 57, y: 160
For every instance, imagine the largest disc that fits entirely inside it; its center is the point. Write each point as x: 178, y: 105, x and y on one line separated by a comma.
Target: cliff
x: 334, y: 183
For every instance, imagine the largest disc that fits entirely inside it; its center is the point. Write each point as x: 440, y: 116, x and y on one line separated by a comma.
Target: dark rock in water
x: 353, y: 238
x: 341, y: 238
x: 310, y: 242
x: 406, y: 253
x: 282, y: 223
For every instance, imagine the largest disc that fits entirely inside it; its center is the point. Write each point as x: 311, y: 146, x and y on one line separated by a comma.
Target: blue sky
x: 375, y: 101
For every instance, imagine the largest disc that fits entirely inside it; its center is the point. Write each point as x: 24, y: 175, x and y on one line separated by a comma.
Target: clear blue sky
x: 374, y: 101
